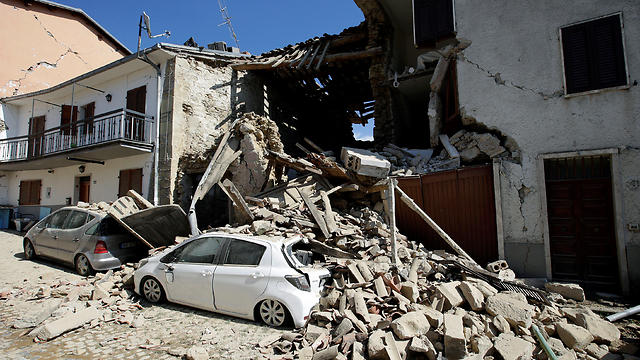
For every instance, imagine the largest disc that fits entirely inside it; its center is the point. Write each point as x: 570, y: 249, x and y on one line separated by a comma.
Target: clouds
x: 363, y: 133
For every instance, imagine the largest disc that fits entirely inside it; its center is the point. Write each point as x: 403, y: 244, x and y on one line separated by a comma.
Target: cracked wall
x: 44, y: 47
x: 511, y: 79
x: 200, y: 101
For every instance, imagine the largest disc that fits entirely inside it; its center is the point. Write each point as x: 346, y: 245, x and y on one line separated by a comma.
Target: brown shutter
x: 65, y: 119
x: 135, y: 180
x: 123, y: 184
x: 24, y: 192
x: 30, y: 192
x: 36, y: 187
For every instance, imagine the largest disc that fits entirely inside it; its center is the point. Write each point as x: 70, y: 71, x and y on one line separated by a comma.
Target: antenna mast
x: 227, y: 20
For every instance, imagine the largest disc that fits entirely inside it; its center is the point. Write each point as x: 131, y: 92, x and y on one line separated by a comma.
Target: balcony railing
x: 114, y: 125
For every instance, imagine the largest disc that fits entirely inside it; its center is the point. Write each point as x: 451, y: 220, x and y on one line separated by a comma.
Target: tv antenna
x: 224, y: 9
x: 145, y: 25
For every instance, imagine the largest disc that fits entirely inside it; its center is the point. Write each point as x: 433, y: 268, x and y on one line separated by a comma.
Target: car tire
x: 152, y: 291
x: 83, y: 266
x: 29, y: 251
x: 273, y: 313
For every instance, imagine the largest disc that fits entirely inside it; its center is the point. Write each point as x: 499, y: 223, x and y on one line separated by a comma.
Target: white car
x: 245, y: 276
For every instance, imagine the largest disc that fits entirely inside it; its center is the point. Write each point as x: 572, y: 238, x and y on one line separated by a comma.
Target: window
x: 432, y: 21
x: 244, y: 253
x: 57, y: 219
x: 130, y: 180
x: 30, y: 192
x: 200, y: 251
x: 593, y: 53
x: 75, y: 220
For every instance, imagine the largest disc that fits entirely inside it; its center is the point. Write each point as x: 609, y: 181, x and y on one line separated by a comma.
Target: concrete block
x: 364, y: 162
x: 410, y: 325
x: 602, y: 330
x: 67, y: 323
x: 455, y: 344
x: 435, y: 317
x: 511, y: 308
x: 376, y: 345
x: 574, y: 336
x: 474, y: 297
x: 513, y: 348
x: 450, y: 292
x: 569, y: 291
x: 423, y: 345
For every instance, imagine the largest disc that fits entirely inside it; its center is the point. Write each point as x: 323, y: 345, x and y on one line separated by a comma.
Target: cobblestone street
x: 166, y: 333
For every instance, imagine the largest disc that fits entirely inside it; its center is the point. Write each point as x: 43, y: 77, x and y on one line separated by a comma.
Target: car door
x: 242, y: 276
x: 71, y: 233
x: 46, y: 240
x: 189, y: 277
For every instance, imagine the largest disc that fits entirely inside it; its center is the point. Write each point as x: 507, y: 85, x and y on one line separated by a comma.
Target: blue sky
x: 260, y: 25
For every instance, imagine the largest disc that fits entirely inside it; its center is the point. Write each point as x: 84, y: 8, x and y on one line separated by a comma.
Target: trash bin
x: 5, y: 214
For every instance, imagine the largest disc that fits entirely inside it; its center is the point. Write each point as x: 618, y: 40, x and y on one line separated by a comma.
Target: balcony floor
x: 104, y: 151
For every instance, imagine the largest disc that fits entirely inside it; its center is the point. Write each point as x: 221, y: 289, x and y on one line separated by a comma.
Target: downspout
x: 156, y: 151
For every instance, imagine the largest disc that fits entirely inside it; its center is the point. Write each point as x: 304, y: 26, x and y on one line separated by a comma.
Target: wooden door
x: 89, y: 112
x: 581, y: 226
x: 461, y: 202
x: 36, y: 135
x: 136, y: 101
x: 84, y: 188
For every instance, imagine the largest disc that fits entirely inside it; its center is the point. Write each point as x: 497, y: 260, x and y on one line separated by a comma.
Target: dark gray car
x: 88, y: 240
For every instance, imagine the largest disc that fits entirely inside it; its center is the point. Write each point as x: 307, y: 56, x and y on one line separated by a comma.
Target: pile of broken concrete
x: 65, y: 306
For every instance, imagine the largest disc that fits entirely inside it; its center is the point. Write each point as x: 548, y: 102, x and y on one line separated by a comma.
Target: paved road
x: 167, y: 332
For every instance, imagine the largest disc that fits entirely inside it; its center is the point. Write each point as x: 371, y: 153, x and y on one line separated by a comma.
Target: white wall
x: 17, y: 117
x: 104, y: 180
x: 511, y: 79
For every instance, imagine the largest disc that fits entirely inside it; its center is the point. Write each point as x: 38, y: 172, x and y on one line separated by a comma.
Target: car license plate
x: 127, y: 245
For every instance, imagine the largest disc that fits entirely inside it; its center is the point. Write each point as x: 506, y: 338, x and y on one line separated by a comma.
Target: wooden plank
x: 412, y: 205
x: 451, y: 150
x: 304, y: 149
x: 355, y: 272
x: 313, y: 145
x: 324, y: 53
x: 392, y: 222
x: 329, y: 217
x: 139, y: 199
x: 122, y: 207
x: 439, y: 74
x: 317, y: 215
x: 352, y: 55
x: 232, y: 192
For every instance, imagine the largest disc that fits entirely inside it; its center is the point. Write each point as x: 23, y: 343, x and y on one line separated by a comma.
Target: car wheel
x: 152, y: 290
x: 29, y: 251
x: 83, y: 266
x: 273, y: 313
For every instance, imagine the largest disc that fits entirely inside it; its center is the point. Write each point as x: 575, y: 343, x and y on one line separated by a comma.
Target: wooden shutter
x: 89, y: 112
x: 136, y: 99
x: 130, y: 180
x: 30, y: 192
x: 594, y: 55
x: 67, y: 121
x: 433, y: 20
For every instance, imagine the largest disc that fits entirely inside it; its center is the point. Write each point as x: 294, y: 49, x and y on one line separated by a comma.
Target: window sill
x: 597, y: 91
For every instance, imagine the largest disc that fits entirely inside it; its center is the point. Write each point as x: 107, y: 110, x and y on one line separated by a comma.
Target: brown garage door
x: 462, y: 202
x: 581, y: 228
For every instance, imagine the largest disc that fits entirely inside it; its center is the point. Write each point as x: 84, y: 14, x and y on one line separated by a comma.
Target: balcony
x: 106, y: 136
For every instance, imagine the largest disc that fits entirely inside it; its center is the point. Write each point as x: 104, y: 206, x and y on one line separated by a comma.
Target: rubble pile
x: 65, y: 306
x: 472, y: 145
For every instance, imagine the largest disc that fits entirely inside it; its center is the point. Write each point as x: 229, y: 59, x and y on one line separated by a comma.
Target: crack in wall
x: 35, y: 67
x: 497, y: 77
x: 58, y: 41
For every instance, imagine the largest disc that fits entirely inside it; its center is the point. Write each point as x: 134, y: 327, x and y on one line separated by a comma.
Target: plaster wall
x: 44, y: 46
x: 104, y: 180
x: 511, y: 79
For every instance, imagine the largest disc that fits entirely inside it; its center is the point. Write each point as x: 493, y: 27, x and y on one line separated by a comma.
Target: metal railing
x: 114, y: 125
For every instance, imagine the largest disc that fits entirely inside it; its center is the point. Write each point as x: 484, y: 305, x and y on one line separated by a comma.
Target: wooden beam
x: 354, y: 55
x: 329, y: 217
x: 451, y: 150
x: 317, y: 215
x: 232, y: 192
x: 413, y: 206
x: 140, y: 201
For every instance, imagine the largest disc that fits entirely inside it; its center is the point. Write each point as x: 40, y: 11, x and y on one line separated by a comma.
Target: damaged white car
x: 250, y: 277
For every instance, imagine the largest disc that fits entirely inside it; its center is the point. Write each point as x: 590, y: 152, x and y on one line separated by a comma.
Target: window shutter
x: 123, y: 185
x: 24, y: 192
x: 576, y: 58
x: 608, y: 52
x: 34, y: 197
x: 135, y: 177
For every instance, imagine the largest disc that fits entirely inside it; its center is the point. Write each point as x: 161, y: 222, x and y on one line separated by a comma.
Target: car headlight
x: 299, y: 281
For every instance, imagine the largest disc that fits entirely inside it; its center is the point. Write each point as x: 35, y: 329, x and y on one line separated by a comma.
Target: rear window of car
x: 244, y: 253
x: 75, y: 220
x: 107, y: 226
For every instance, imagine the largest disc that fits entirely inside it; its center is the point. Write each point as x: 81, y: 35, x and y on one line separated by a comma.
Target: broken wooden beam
x: 329, y: 217
x: 346, y: 56
x: 413, y: 206
x: 232, y: 192
x: 140, y: 201
x: 317, y: 215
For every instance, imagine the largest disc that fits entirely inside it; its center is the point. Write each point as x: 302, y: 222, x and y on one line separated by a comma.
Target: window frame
x: 624, y: 56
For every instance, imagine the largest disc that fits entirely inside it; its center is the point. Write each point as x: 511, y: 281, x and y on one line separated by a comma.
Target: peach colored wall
x: 42, y: 47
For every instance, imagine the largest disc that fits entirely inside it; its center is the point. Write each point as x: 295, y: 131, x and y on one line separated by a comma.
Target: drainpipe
x: 156, y: 151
